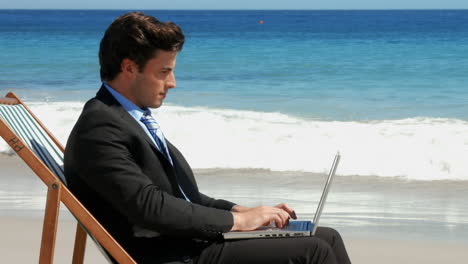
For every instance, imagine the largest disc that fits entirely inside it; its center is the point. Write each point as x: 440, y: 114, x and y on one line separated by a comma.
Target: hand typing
x: 246, y: 219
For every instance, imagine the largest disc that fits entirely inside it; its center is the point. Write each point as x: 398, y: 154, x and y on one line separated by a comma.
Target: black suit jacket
x: 117, y: 172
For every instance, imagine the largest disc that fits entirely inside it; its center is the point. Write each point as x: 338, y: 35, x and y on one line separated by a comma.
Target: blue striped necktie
x: 158, y: 137
x: 157, y: 133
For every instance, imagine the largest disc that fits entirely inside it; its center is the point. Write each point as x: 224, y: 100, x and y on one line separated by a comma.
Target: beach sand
x: 381, y: 220
x: 21, y: 237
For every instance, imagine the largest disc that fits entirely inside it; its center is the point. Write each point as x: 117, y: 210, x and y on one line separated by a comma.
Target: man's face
x: 150, y: 86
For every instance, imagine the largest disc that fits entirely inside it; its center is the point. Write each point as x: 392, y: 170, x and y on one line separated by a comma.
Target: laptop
x: 293, y: 228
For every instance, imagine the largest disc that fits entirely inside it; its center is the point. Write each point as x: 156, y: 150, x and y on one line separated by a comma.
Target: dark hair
x: 137, y: 37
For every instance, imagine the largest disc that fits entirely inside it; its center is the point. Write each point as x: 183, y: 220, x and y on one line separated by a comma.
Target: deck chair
x: 43, y: 153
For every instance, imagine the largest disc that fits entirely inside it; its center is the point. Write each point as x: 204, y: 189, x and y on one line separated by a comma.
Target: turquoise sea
x: 331, y: 65
x: 386, y: 88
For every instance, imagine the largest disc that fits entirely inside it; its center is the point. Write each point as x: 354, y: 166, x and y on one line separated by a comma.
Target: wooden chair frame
x: 57, y: 192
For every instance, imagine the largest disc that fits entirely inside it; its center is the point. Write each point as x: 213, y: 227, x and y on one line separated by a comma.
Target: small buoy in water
x: 260, y: 22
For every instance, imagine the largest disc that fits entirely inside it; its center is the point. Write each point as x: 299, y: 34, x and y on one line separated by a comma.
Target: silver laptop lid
x: 331, y: 175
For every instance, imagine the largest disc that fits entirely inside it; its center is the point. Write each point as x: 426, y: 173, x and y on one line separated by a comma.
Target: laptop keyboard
x: 298, y: 226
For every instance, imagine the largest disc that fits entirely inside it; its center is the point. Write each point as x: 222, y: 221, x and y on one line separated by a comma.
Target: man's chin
x: 155, y: 105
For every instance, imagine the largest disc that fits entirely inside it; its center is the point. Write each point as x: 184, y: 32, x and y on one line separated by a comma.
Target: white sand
x: 22, y: 198
x: 20, y: 243
x: 21, y: 239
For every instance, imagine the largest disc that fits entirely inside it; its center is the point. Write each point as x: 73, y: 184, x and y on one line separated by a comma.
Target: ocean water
x: 388, y: 89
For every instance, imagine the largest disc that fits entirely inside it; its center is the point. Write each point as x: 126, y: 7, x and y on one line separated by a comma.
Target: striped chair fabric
x: 26, y: 127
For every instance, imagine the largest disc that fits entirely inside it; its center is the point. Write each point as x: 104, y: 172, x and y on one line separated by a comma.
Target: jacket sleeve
x: 216, y: 203
x: 106, y: 164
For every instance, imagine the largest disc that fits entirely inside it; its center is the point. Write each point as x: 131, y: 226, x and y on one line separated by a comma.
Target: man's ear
x: 129, y: 68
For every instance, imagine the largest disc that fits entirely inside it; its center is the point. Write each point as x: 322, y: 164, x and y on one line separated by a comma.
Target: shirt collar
x: 135, y: 111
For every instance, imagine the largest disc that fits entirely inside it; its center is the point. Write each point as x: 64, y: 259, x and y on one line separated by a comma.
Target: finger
x: 287, y: 209
x: 287, y: 217
x: 293, y: 215
x: 287, y: 213
x: 283, y: 215
x: 274, y: 217
x: 279, y: 221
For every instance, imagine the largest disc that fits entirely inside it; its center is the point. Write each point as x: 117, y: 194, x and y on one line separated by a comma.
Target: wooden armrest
x: 8, y: 101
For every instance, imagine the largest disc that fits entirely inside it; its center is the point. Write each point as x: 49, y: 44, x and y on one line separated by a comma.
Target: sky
x: 234, y: 4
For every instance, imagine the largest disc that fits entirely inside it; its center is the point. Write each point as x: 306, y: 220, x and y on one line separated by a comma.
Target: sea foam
x: 419, y: 148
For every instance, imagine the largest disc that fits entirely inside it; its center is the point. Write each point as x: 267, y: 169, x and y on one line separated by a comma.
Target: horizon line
x: 250, y: 9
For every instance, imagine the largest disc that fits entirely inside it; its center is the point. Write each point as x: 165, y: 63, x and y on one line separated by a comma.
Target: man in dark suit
x: 140, y: 187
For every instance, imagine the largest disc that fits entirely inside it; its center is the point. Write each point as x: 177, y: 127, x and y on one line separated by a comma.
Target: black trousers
x: 325, y: 247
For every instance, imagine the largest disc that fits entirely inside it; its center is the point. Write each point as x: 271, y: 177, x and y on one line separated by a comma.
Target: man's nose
x: 171, y: 81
